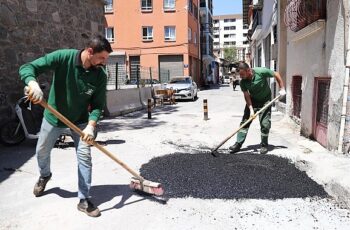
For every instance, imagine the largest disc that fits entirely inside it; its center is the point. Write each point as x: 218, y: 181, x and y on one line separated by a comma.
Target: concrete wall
x: 306, y: 58
x: 31, y: 28
x: 127, y: 100
x: 335, y: 59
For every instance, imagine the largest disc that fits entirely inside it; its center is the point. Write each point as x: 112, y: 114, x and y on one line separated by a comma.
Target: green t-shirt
x: 73, y: 88
x: 258, y: 87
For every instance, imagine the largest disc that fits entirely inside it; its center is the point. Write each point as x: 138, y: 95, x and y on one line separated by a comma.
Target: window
x: 147, y: 33
x: 216, y: 21
x: 146, y: 5
x: 245, y: 42
x: 195, y: 9
x: 169, y: 5
x: 108, y: 6
x: 216, y: 36
x: 190, y: 6
x: 189, y: 34
x: 245, y: 34
x: 109, y: 34
x: 230, y: 20
x: 245, y: 27
x: 194, y: 37
x: 169, y: 33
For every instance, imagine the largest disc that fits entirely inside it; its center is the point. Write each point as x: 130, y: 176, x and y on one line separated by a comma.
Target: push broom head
x: 147, y: 186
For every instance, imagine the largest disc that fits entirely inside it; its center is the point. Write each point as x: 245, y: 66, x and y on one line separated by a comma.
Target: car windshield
x: 180, y: 80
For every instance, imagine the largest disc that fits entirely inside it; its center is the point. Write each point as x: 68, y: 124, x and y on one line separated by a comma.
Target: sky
x: 227, y: 7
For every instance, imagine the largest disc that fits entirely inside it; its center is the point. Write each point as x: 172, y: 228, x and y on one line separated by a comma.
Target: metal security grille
x: 300, y: 13
x: 169, y: 66
x: 297, y: 95
x: 116, y: 71
x: 322, y: 102
x: 134, y: 68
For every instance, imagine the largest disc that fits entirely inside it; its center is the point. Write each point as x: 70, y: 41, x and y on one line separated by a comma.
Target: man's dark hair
x: 243, y: 65
x: 99, y: 43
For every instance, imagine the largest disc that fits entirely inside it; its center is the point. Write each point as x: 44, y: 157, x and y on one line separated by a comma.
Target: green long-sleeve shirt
x: 73, y: 88
x: 258, y: 87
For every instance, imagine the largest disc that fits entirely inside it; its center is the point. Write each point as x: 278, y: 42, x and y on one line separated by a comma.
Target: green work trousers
x: 265, y: 123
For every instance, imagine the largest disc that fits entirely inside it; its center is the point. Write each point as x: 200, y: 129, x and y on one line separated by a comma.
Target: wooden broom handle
x: 94, y: 143
x: 249, y: 120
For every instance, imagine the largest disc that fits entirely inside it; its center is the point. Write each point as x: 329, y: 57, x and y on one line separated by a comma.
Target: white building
x: 228, y: 32
x: 307, y: 42
x: 209, y: 66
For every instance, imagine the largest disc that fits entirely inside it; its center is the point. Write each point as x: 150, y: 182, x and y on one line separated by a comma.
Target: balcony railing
x: 257, y: 21
x: 301, y: 13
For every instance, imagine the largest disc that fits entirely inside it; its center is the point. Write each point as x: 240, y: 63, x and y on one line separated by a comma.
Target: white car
x: 227, y: 80
x: 184, y: 87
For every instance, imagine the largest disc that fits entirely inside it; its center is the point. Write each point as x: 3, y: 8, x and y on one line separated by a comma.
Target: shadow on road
x: 256, y: 148
x: 105, y: 193
x: 136, y: 120
x: 12, y: 158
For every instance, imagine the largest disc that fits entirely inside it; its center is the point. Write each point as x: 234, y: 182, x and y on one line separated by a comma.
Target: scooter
x: 26, y: 124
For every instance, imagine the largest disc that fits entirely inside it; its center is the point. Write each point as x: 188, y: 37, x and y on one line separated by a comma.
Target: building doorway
x: 320, y: 114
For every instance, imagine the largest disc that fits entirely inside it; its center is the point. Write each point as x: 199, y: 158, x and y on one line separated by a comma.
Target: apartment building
x: 306, y: 41
x: 209, y: 66
x: 161, y: 35
x: 229, y: 31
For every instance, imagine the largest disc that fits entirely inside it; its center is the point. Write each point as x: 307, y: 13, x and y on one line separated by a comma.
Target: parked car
x: 184, y: 87
x: 227, y: 79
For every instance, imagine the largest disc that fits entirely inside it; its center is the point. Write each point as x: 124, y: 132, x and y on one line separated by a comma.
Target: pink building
x: 159, y: 34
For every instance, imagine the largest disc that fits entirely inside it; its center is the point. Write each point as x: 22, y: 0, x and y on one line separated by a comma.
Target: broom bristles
x: 147, y: 186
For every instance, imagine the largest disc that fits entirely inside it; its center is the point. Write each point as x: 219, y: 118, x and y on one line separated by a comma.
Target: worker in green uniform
x: 257, y: 93
x: 79, y: 81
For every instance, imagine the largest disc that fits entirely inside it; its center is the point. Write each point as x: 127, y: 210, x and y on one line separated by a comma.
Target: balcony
x: 299, y: 14
x: 257, y: 24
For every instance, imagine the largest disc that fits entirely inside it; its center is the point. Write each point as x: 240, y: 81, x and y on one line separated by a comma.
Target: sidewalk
x: 332, y: 170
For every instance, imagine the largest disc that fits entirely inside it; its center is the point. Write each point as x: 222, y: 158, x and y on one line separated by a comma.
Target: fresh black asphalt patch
x: 239, y: 176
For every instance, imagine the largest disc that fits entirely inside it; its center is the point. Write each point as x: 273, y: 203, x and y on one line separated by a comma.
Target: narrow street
x: 242, y: 191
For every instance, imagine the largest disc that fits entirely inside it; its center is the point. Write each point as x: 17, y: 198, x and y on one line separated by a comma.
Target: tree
x: 230, y: 54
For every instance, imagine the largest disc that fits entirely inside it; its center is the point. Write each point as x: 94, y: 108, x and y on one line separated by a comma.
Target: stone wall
x: 31, y: 28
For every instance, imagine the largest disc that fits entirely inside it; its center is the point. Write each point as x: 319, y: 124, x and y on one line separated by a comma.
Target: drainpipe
x: 344, y: 137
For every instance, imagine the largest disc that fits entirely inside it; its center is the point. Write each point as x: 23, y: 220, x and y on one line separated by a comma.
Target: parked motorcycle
x: 26, y: 124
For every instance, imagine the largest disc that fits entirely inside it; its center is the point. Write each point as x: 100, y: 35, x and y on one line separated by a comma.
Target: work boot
x: 263, y: 149
x: 86, y: 206
x: 235, y: 148
x: 39, y: 187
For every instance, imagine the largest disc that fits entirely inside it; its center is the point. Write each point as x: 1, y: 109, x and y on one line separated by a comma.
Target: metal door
x: 320, y: 117
x: 134, y: 68
x: 169, y: 66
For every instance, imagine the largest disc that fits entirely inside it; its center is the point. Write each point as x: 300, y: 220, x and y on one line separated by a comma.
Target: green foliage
x: 230, y: 54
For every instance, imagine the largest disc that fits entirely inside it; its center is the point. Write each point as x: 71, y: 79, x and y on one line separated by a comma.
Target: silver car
x: 184, y: 87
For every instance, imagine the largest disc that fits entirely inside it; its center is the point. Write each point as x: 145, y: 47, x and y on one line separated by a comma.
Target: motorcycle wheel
x: 11, y: 134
